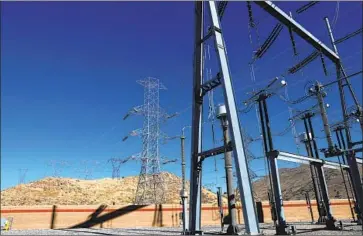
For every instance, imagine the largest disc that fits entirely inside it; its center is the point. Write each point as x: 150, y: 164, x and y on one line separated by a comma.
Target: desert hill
x: 295, y: 182
x: 66, y: 191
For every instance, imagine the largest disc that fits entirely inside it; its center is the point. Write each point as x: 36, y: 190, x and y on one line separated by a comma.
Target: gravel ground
x: 266, y: 229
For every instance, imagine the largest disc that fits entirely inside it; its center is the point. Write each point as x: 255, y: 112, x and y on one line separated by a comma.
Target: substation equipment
x: 223, y: 78
x: 232, y: 211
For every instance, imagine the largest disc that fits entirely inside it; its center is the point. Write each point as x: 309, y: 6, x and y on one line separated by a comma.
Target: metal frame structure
x: 273, y: 155
x: 244, y: 183
x: 350, y: 155
x: 285, y: 19
x: 307, y: 141
x: 321, y: 189
x: 223, y: 77
x: 276, y: 198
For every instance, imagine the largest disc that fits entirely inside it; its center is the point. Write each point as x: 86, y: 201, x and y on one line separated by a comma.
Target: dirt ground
x: 266, y: 229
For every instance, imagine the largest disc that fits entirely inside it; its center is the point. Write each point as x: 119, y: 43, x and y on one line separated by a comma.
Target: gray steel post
x: 316, y: 181
x: 244, y: 182
x: 351, y: 160
x: 324, y: 192
x: 308, y: 202
x: 232, y: 211
x: 196, y: 141
x: 272, y: 161
x: 330, y: 221
x: 220, y: 206
x: 183, y: 193
x: 281, y: 227
x: 342, y: 170
x: 182, y: 140
x: 357, y: 184
x: 341, y: 68
x: 313, y: 173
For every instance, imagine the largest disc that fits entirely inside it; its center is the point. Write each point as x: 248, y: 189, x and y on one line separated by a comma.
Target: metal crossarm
x: 285, y: 156
x: 211, y: 84
x: 280, y: 15
x: 216, y: 151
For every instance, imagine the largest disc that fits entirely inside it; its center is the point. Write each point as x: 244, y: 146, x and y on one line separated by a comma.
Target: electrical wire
x: 341, y: 14
x: 269, y: 41
x: 294, y: 132
x: 347, y: 58
x: 304, y: 62
x: 336, y: 15
x: 250, y: 15
x: 350, y: 35
x: 222, y: 5
x: 211, y: 108
x: 306, y: 6
x: 336, y: 81
x: 297, y: 101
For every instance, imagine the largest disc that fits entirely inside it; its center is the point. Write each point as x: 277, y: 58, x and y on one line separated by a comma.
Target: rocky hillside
x: 64, y: 191
x: 295, y: 182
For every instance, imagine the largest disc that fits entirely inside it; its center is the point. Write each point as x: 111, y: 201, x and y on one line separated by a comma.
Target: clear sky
x: 69, y: 71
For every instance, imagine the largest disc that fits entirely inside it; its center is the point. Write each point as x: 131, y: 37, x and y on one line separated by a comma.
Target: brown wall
x: 40, y: 217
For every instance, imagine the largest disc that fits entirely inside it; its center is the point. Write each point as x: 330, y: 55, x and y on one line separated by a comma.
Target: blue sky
x: 69, y: 71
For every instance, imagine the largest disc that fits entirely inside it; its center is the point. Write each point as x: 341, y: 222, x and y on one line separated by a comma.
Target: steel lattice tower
x: 150, y: 188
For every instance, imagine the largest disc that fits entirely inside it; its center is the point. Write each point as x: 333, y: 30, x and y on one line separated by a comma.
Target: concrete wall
x: 46, y: 217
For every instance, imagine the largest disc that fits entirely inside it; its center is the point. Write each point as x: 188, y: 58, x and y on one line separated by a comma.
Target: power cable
x: 350, y: 35
x: 306, y: 7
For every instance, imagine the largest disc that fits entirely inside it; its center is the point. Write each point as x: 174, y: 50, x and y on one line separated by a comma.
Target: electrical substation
x: 324, y: 139
x: 346, y: 150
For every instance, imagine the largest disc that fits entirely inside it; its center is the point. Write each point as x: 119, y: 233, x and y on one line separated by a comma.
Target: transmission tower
x: 57, y: 167
x: 22, y: 174
x: 88, y: 167
x: 116, y: 164
x: 150, y: 188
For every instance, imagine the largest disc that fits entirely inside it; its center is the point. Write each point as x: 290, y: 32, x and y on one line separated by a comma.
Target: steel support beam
x: 285, y: 19
x: 330, y: 221
x: 240, y: 159
x: 356, y: 182
x: 285, y: 156
x: 277, y: 209
x: 279, y: 206
x: 317, y: 171
x: 196, y: 139
x: 351, y: 159
x: 216, y: 151
x: 244, y: 183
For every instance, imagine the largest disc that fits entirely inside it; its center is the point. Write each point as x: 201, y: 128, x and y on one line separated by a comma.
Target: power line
x: 348, y: 36
x: 306, y: 7
x: 57, y: 167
